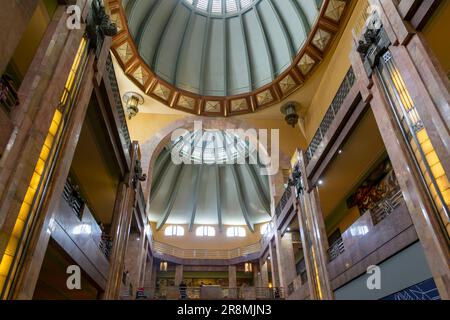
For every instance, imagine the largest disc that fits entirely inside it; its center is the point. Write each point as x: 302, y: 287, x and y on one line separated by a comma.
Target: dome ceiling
x: 211, y: 192
x: 222, y: 57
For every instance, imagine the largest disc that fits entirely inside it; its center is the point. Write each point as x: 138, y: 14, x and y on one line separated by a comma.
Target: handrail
x: 164, y: 248
x: 194, y: 293
x: 8, y: 93
x: 76, y: 202
x: 283, y: 201
x: 118, y: 102
x: 331, y: 113
x: 386, y: 206
x: 381, y: 210
x: 336, y: 249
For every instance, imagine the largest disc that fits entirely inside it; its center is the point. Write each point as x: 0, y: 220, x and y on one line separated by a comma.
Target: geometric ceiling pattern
x: 223, y: 57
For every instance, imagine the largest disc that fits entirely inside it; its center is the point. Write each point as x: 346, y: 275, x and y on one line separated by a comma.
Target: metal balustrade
x: 105, y: 245
x: 381, y: 210
x: 118, y: 101
x: 195, y: 293
x: 283, y: 201
x: 386, y: 206
x: 73, y: 198
x: 78, y: 205
x: 336, y: 249
x: 331, y: 113
x: 163, y: 248
x: 8, y: 93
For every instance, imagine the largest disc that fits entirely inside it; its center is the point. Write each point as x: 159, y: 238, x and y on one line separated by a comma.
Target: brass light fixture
x: 163, y: 266
x: 132, y: 102
x: 290, y: 110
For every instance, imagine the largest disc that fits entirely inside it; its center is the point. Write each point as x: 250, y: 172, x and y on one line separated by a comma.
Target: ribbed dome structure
x: 217, y: 183
x: 220, y: 47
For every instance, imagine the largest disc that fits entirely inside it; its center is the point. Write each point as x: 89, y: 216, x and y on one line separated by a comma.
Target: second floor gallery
x: 231, y: 150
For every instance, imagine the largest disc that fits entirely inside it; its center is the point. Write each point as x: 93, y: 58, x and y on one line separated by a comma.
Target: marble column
x: 148, y: 276
x: 428, y: 88
x: 256, y: 275
x: 121, y: 229
x: 314, y: 237
x: 264, y: 275
x: 178, y: 274
x: 42, y: 232
x: 144, y: 260
x: 274, y: 265
x: 32, y: 120
x: 40, y: 95
x: 123, y: 212
x: 154, y: 279
x: 133, y: 259
x: 419, y: 205
x: 232, y: 282
x: 14, y: 18
x: 286, y: 259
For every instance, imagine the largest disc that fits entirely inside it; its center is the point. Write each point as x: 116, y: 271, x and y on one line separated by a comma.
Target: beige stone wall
x: 435, y: 37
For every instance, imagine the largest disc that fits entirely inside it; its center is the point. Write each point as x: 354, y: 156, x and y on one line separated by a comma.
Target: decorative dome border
x: 330, y: 20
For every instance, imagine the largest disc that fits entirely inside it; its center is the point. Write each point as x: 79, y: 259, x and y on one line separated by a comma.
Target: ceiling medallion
x: 321, y: 36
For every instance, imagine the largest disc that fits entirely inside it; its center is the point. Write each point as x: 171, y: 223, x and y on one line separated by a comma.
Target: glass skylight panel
x: 216, y: 6
x: 202, y: 4
x: 231, y: 6
x: 246, y: 3
x: 211, y: 147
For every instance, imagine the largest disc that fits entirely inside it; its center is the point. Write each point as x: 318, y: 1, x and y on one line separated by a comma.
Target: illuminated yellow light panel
x: 14, y: 247
x: 431, y: 156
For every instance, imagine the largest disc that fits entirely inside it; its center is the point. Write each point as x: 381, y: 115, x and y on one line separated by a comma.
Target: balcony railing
x: 378, y: 213
x: 283, y: 201
x: 118, y: 102
x: 106, y: 244
x: 331, y: 113
x: 336, y: 249
x: 386, y: 206
x: 73, y: 198
x: 212, y: 292
x: 78, y: 206
x: 8, y: 94
x: 163, y: 248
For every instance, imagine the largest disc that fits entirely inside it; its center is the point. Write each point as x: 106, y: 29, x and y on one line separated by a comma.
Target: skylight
x: 220, y: 6
x: 212, y: 147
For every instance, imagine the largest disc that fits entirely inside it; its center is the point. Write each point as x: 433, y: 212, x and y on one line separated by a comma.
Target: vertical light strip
x: 316, y: 274
x: 424, y: 152
x: 8, y: 265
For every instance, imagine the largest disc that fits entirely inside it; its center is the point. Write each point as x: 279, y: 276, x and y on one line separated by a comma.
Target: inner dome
x: 220, y: 47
